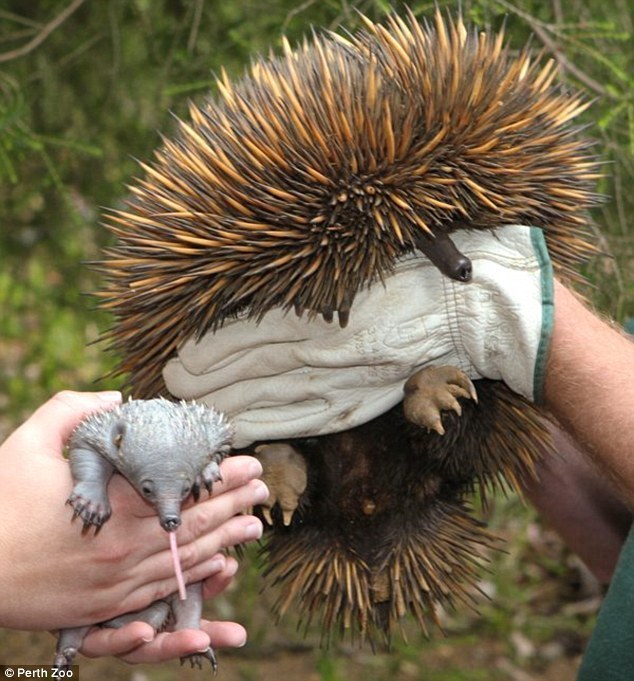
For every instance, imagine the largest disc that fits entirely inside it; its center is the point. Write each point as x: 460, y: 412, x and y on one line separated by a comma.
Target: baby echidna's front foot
x: 434, y: 389
x: 196, y: 660
x: 284, y: 472
x: 90, y: 503
x: 210, y: 474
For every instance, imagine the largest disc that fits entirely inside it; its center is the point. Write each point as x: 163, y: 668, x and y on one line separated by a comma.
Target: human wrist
x: 589, y: 386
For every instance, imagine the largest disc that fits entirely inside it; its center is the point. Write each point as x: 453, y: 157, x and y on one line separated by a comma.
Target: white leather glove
x: 287, y: 377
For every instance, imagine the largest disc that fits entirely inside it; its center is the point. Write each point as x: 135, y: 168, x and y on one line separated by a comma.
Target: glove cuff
x: 548, y: 312
x: 502, y: 321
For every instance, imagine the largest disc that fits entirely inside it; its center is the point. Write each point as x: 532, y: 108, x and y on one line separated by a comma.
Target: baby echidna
x: 305, y: 181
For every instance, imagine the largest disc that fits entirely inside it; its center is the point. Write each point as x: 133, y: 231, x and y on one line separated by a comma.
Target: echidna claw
x: 344, y: 318
x: 328, y: 314
x: 285, y: 474
x: 437, y: 426
x: 196, y: 491
x: 433, y: 390
x: 266, y: 512
x: 196, y: 660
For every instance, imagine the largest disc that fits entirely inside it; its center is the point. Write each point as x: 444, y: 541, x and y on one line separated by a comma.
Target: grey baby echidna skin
x: 167, y: 451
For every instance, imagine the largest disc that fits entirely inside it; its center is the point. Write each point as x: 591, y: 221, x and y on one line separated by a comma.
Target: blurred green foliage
x: 87, y: 86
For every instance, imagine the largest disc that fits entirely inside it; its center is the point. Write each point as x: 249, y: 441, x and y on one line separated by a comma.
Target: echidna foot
x: 90, y: 502
x: 68, y: 645
x: 210, y: 474
x: 435, y: 389
x: 64, y: 658
x: 196, y: 659
x: 284, y: 472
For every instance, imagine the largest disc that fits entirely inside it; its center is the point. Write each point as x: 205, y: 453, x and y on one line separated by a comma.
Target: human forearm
x: 589, y: 387
x: 581, y: 505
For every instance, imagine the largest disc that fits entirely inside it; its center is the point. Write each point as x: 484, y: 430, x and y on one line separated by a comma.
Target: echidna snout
x: 442, y: 251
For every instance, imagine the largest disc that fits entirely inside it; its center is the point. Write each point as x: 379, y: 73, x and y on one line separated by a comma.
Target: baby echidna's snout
x: 168, y: 509
x: 170, y: 522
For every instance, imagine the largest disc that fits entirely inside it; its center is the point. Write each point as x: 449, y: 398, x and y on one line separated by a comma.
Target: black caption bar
x: 37, y: 671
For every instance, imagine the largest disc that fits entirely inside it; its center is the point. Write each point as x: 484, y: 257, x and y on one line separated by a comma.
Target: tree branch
x: 580, y: 75
x: 43, y: 34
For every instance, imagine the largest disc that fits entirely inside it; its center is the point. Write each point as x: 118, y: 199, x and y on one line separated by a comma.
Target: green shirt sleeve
x: 610, y: 652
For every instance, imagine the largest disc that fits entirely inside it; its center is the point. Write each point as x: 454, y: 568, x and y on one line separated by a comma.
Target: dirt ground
x: 481, y: 659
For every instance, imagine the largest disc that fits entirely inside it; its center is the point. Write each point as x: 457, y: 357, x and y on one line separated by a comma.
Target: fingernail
x: 110, y: 396
x: 232, y: 567
x: 260, y: 493
x: 255, y: 468
x: 253, y: 531
x: 217, y: 564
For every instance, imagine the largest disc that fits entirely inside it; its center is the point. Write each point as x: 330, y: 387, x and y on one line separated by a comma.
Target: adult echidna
x: 306, y: 181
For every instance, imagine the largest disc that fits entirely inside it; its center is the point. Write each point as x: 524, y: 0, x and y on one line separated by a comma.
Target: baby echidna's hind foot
x: 435, y: 389
x: 68, y: 645
x: 196, y: 660
x: 284, y: 472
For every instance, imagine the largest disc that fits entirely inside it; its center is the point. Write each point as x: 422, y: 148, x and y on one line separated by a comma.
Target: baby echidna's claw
x: 196, y: 491
x: 433, y: 390
x: 196, y: 660
x: 210, y: 474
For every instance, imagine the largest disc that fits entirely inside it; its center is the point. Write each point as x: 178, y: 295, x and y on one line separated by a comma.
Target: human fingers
x: 198, y: 559
x: 125, y: 644
x: 177, y: 644
x: 160, y: 648
x: 207, y: 516
x: 225, y: 634
x: 218, y: 582
x: 197, y: 554
x: 131, y: 641
x: 106, y: 642
x: 236, y: 471
x: 141, y: 548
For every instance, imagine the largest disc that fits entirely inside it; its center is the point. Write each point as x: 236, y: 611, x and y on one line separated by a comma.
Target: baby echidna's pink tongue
x: 177, y: 567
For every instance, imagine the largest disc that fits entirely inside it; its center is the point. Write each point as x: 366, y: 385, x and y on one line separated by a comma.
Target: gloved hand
x: 289, y: 377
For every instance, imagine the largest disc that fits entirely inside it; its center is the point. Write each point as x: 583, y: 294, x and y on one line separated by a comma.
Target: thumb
x: 59, y: 416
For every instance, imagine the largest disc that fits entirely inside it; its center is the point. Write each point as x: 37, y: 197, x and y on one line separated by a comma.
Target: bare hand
x: 72, y: 579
